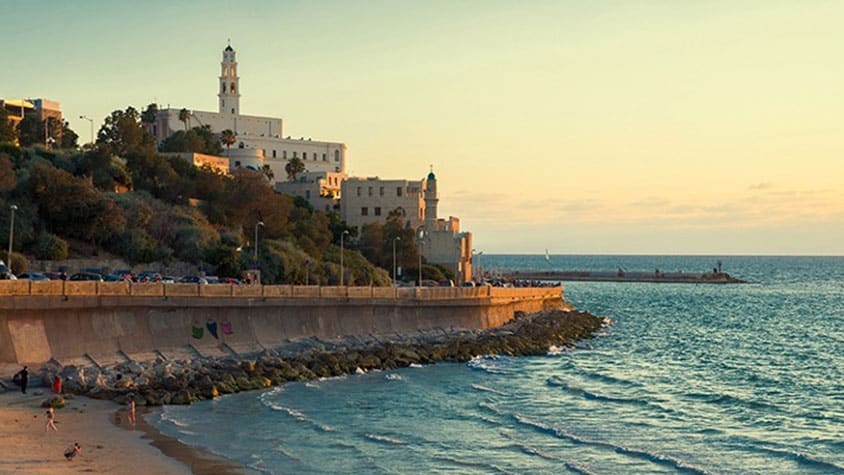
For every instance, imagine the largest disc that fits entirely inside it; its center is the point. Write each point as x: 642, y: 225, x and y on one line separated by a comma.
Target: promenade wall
x: 107, y: 321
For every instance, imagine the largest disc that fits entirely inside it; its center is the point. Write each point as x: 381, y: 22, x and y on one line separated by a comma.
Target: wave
x: 168, y: 416
x: 298, y: 415
x: 393, y: 377
x: 800, y: 458
x: 557, y: 382
x: 492, y: 364
x: 486, y: 389
x: 491, y: 408
x: 416, y: 365
x: 730, y: 400
x: 660, y: 459
x: 578, y: 468
x: 484, y: 467
x: 614, y: 380
x: 385, y: 439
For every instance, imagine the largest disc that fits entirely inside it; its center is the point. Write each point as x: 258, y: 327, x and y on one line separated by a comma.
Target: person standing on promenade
x: 22, y: 378
x: 51, y: 420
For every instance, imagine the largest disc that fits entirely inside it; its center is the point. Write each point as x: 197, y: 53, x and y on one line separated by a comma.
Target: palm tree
x: 228, y: 139
x: 184, y: 116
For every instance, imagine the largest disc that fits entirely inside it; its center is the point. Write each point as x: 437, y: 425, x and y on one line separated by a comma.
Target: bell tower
x: 229, y: 83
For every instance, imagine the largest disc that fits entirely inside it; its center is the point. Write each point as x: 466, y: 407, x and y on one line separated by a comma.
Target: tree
x: 30, y: 131
x: 69, y: 137
x: 123, y: 134
x: 184, y: 116
x: 294, y: 167
x: 149, y: 114
x: 7, y: 130
x: 268, y: 172
x: 228, y: 138
x: 8, y: 179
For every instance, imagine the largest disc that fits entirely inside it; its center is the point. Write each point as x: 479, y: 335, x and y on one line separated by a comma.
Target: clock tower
x: 229, y: 83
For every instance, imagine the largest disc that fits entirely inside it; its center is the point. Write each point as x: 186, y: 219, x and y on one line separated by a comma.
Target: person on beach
x: 72, y: 451
x: 51, y: 420
x: 131, y: 411
x: 22, y: 378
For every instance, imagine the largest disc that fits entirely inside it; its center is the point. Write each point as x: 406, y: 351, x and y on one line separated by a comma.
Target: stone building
x: 259, y: 140
x: 320, y: 189
x: 41, y: 109
x: 370, y: 200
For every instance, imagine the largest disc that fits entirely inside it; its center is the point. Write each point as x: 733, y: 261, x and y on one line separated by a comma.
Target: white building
x: 320, y: 189
x: 259, y: 140
x: 370, y: 200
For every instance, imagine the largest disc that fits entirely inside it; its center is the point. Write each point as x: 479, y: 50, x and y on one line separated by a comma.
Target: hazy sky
x: 582, y: 127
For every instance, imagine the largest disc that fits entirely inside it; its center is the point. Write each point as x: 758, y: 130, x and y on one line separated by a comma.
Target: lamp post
x: 420, y: 235
x: 255, y: 254
x: 11, y: 236
x: 85, y: 117
x: 397, y: 238
x: 345, y: 232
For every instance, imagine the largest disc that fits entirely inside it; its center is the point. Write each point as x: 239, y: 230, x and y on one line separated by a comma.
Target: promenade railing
x: 60, y: 288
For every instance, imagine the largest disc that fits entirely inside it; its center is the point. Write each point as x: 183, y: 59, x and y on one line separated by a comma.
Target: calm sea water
x: 689, y: 379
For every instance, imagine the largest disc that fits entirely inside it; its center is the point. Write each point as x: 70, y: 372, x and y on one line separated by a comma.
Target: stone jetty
x: 162, y: 382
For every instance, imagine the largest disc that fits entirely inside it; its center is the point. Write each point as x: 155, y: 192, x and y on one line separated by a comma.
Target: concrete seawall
x: 104, y: 323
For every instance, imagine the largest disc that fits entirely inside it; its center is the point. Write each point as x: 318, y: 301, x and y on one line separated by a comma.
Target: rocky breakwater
x: 185, y: 381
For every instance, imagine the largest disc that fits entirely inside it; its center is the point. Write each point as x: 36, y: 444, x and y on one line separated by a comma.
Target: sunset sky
x: 641, y: 127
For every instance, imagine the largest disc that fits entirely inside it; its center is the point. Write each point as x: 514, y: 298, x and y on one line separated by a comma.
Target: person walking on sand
x: 131, y: 411
x: 51, y: 420
x: 72, y: 451
x: 22, y: 377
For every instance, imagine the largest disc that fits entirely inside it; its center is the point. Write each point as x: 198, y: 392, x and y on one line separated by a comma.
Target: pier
x: 655, y: 276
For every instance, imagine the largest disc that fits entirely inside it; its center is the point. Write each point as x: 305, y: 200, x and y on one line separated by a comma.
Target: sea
x: 688, y: 378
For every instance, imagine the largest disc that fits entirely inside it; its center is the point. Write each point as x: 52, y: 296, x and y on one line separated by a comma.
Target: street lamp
x: 85, y: 117
x: 420, y: 235
x: 397, y: 238
x: 11, y: 235
x: 255, y: 255
x: 345, y: 232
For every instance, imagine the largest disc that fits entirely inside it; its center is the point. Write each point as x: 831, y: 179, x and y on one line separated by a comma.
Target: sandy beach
x: 109, y: 444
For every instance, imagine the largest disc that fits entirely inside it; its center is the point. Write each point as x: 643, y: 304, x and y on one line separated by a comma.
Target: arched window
x: 336, y: 155
x: 223, y: 87
x: 231, y: 88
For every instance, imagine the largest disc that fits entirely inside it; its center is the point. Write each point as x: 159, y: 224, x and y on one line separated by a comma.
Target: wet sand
x: 109, y: 444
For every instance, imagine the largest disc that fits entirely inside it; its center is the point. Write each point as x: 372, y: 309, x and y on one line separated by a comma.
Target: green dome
x: 431, y: 176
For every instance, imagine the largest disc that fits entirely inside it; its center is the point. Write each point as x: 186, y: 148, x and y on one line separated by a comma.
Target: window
x: 232, y: 110
x: 307, y: 194
x: 336, y: 155
x: 231, y: 88
x: 273, y: 153
x: 294, y: 154
x: 370, y: 191
x: 398, y: 191
x: 324, y: 157
x: 364, y: 211
x: 284, y: 154
x: 237, y: 164
x: 377, y: 211
x: 304, y: 155
x: 381, y: 191
x: 358, y: 191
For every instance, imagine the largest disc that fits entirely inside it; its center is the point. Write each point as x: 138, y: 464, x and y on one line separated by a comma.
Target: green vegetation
x: 123, y: 197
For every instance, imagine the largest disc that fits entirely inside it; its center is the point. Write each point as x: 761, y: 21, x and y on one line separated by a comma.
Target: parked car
x: 90, y: 276
x: 468, y: 283
x: 54, y: 275
x: 148, y: 276
x: 169, y: 279
x: 193, y: 279
x: 33, y: 276
x: 446, y: 283
x: 229, y: 280
x: 113, y: 278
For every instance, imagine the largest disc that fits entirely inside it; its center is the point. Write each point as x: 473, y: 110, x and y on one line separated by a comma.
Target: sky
x: 601, y: 127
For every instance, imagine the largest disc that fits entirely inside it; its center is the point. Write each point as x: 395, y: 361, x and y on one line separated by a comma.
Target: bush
x: 50, y: 247
x: 19, y: 261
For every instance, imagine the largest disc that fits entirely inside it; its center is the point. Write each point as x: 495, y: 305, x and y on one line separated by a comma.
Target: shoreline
x: 197, y: 460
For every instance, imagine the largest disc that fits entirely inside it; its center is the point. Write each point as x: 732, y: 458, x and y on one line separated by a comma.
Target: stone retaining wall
x: 68, y: 320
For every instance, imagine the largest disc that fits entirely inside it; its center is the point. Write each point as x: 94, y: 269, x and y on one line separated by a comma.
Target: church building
x: 259, y: 140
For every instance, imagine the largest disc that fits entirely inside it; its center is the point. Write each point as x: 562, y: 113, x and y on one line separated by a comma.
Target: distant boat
x: 547, y: 256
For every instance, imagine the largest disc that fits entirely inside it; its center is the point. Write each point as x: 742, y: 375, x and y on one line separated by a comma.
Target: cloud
x: 761, y: 186
x: 651, y: 202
